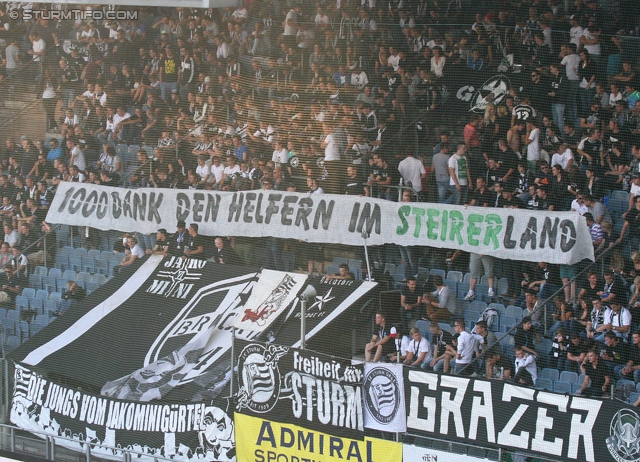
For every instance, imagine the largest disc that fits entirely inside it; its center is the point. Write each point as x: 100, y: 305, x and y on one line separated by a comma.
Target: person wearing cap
x: 381, y: 341
x: 441, y: 303
x: 178, y: 240
x: 162, y: 244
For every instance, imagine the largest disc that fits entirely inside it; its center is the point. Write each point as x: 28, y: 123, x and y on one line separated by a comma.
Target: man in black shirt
x: 410, y: 304
x: 14, y: 285
x: 546, y: 201
x: 525, y: 337
x: 353, y: 183
x: 482, y: 197
x: 498, y: 366
x: 162, y: 244
x: 576, y: 352
x: 195, y: 244
x: 224, y: 253
x: 616, y: 353
x: 508, y: 201
x: 598, y: 373
x: 632, y: 368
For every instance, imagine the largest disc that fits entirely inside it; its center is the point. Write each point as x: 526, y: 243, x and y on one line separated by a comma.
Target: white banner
x: 273, y: 292
x: 552, y: 237
x: 384, y: 407
x: 417, y: 453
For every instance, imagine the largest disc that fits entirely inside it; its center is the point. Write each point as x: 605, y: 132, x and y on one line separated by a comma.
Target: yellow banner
x: 259, y: 440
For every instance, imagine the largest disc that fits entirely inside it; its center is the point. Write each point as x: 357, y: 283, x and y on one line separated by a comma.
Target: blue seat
x: 562, y: 387
x: 471, y: 315
x: 88, y: 265
x: 75, y: 263
x: 544, y: 384
x: 106, y: 255
x: 102, y: 267
x: 91, y: 287
x: 353, y: 263
x: 35, y: 281
x: 357, y: 272
x: 551, y: 374
x: 503, y: 286
x: 67, y: 251
x: 423, y: 326
x: 81, y: 284
x: 99, y: 279
x: 55, y: 297
x: 455, y: 276
x: 568, y: 376
x: 81, y: 252
x: 333, y: 269
x: 94, y: 253
x: 401, y: 269
x: 62, y: 284
x: 499, y: 307
x: 3, y: 313
x: 445, y: 326
x: 50, y: 307
x: 13, y: 342
x: 41, y: 271
x: 543, y: 347
x: 478, y: 306
x: 29, y: 292
x: 55, y: 272
x: 121, y: 150
x: 514, y: 311
x: 622, y: 196
x: 389, y: 268
x: 463, y: 288
x: 397, y: 280
x: 69, y: 275
x: 13, y: 314
x: 37, y: 305
x: 42, y: 294
x: 466, y: 277
x: 337, y: 261
x: 439, y: 272
x: 83, y: 276
x: 49, y: 283
x: 633, y: 397
x: 507, y: 322
x: 62, y: 262
x: 8, y: 326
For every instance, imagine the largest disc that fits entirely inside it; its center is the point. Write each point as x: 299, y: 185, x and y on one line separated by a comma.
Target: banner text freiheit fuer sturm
x: 516, y: 234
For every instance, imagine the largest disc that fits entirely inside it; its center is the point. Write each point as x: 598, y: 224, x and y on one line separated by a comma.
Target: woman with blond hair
x: 490, y: 132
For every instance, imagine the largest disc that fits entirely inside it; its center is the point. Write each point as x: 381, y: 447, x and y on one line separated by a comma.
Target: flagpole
x: 233, y: 350
x: 365, y: 235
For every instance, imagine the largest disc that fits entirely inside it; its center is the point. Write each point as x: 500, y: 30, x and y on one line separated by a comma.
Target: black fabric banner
x: 492, y: 413
x: 300, y: 387
x: 181, y: 431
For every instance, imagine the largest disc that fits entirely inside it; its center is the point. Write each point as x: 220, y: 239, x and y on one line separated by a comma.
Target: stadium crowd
x: 344, y: 98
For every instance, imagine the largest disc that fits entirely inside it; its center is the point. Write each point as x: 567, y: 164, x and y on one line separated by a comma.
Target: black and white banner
x: 300, y: 387
x: 178, y: 431
x: 553, y: 237
x: 493, y: 413
x: 383, y: 389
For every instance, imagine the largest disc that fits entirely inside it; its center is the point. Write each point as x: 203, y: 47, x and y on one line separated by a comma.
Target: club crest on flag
x: 260, y: 377
x: 382, y: 394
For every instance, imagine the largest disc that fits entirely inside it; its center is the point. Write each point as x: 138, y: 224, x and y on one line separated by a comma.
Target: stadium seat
x: 514, y: 311
x: 55, y: 272
x: 471, y: 315
x: 13, y: 314
x: 99, y: 279
x: 49, y: 283
x: 88, y: 265
x: 333, y: 269
x: 91, y: 287
x: 93, y: 253
x: 439, y: 272
x: 633, y: 397
x: 455, y: 276
x: 62, y: 262
x: 12, y: 343
x: 83, y: 276
x: 507, y: 322
x: 3, y: 313
x: 102, y: 267
x: 337, y: 261
x: 620, y: 195
x: 62, y: 284
x: 67, y: 251
x: 75, y: 263
x: 50, y: 307
x: 69, y: 275
x: 568, y: 376
x: 35, y: 281
x: 8, y: 326
x: 41, y: 271
x: 37, y: 305
x: 544, y: 384
x: 81, y: 252
x: 389, y: 268
x: 478, y: 306
x: 562, y: 387
x: 499, y: 307
x: 29, y: 292
x: 551, y: 374
x: 42, y: 294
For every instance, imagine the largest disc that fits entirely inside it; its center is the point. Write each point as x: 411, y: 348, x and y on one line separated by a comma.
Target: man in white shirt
x: 564, y: 157
x: 459, y: 176
x: 526, y: 368
x: 412, y: 171
x: 77, y: 156
x: 617, y: 319
x: 38, y: 46
x: 281, y: 154
x: 571, y: 60
x: 533, y: 145
x: 133, y: 252
x: 466, y: 347
x: 203, y: 170
x: 418, y: 353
